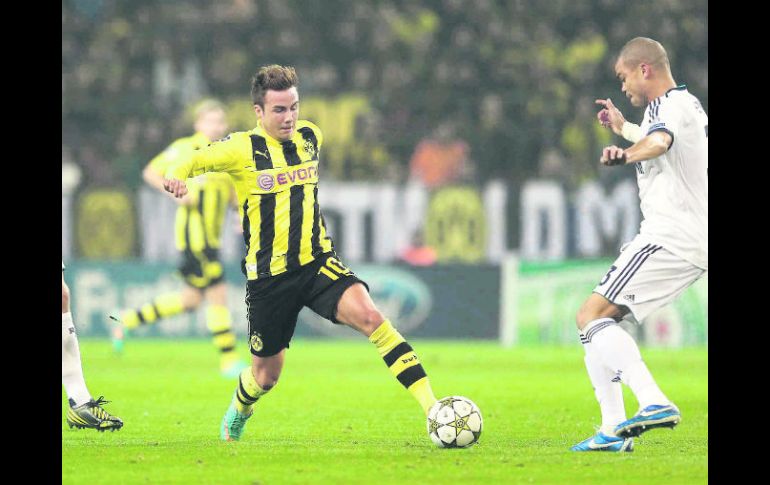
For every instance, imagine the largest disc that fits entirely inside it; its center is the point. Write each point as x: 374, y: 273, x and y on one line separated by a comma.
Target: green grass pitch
x: 338, y: 416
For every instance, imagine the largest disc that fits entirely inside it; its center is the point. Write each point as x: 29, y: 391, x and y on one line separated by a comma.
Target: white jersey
x: 673, y: 188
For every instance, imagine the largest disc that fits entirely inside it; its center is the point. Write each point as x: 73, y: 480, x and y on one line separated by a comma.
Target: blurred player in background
x: 290, y: 261
x: 670, y: 155
x: 199, y: 221
x: 84, y: 411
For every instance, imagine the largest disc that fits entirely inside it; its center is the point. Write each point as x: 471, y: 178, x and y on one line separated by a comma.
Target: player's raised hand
x: 613, y: 155
x: 176, y: 187
x: 610, y: 116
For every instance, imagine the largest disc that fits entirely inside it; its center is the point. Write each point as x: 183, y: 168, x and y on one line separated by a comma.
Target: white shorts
x: 645, y: 277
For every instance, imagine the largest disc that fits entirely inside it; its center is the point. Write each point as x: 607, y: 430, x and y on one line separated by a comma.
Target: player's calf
x: 403, y: 363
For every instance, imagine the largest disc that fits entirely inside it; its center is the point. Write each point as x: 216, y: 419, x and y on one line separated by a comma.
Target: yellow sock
x: 403, y: 363
x: 162, y: 306
x: 248, y: 392
x: 219, y: 323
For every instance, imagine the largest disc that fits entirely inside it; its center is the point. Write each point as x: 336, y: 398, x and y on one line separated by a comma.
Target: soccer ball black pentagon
x: 454, y: 422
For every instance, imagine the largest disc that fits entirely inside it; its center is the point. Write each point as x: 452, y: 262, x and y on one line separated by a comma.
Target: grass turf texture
x: 339, y: 416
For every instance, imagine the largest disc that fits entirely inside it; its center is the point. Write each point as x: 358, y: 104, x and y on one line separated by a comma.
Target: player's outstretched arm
x: 217, y: 157
x: 153, y: 177
x: 177, y: 173
x: 651, y: 146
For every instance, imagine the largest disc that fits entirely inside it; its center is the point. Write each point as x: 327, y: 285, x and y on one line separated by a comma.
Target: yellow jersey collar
x: 200, y: 137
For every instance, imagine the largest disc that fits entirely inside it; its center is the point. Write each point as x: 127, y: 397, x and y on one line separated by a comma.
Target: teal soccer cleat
x: 232, y: 424
x: 654, y: 416
x: 602, y: 442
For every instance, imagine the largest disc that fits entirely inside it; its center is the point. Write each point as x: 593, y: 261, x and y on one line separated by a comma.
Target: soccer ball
x: 454, y: 422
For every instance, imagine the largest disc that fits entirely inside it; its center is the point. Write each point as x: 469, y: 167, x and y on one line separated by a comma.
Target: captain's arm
x: 651, y: 146
x: 155, y: 170
x: 217, y: 157
x: 631, y: 132
x: 153, y: 177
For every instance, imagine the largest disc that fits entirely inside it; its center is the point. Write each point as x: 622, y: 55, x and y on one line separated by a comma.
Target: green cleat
x: 91, y: 415
x: 232, y: 424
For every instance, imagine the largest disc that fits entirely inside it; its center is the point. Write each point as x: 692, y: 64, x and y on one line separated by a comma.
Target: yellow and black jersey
x: 277, y: 187
x: 198, y: 224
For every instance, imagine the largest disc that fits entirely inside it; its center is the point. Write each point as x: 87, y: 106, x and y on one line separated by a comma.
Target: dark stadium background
x: 509, y: 84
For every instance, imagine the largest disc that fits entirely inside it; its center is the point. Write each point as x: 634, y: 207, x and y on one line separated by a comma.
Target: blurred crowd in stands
x: 437, y: 90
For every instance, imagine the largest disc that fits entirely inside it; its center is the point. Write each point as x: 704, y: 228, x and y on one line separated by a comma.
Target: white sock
x: 618, y: 351
x: 71, y: 370
x: 609, y: 393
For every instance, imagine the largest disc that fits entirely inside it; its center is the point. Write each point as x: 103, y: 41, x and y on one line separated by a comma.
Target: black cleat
x: 91, y: 415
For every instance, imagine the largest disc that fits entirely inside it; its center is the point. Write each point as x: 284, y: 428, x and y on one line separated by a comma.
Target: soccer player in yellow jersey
x: 290, y: 260
x: 199, y: 221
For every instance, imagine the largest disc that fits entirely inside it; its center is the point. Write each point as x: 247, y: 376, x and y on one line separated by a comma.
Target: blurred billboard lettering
x: 605, y: 219
x: 543, y: 220
x: 374, y: 222
x: 440, y: 302
x: 515, y: 303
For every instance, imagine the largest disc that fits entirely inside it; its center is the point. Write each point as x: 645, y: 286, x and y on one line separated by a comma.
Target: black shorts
x: 273, y: 304
x: 201, y: 269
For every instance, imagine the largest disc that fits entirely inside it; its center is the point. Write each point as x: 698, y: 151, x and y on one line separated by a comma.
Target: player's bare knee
x: 265, y: 374
x: 594, y: 308
x: 372, y: 319
x: 588, y: 313
x: 192, y: 298
x: 266, y: 386
x: 267, y: 381
x: 217, y: 294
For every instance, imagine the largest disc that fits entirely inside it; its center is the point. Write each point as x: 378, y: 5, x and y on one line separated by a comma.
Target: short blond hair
x: 204, y: 106
x: 644, y: 50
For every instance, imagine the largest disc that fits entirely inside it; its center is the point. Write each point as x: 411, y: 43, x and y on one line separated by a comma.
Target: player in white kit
x: 670, y: 156
x: 84, y: 411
